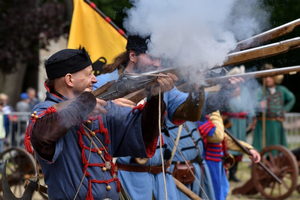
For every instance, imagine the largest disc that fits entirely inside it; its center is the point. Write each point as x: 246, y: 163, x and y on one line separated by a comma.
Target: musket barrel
x: 248, y: 152
x: 261, y: 52
x: 268, y: 35
x: 256, y: 74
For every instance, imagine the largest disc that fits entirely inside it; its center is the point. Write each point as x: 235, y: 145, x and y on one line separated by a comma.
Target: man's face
x: 84, y: 79
x: 146, y: 63
x: 31, y: 94
x: 270, y: 82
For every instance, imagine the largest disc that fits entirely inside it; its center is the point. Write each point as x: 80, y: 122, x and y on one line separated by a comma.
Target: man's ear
x: 69, y: 80
x: 132, y: 56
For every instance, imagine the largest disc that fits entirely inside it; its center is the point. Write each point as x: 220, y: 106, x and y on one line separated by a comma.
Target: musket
x: 126, y: 84
x: 261, y: 52
x: 141, y: 93
x: 248, y: 152
x: 268, y: 35
x: 256, y: 74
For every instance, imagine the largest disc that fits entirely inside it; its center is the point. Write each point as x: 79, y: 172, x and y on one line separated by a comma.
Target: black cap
x: 137, y: 43
x: 67, y: 61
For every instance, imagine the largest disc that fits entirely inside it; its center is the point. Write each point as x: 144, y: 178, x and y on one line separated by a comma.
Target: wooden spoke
x: 283, y: 164
x: 271, y: 158
x: 272, y: 188
x: 284, y: 184
x: 20, y: 163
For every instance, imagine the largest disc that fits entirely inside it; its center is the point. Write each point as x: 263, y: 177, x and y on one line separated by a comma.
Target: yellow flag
x: 90, y: 30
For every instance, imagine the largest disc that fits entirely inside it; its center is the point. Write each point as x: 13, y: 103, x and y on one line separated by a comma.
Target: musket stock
x: 256, y: 74
x: 268, y: 35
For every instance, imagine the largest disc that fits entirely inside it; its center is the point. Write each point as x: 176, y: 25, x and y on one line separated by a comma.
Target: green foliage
x: 24, y: 25
x: 114, y: 9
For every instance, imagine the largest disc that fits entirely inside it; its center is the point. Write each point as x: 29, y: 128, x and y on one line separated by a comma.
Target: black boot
x: 232, y: 172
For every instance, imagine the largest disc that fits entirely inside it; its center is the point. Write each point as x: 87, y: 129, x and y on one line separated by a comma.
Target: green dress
x: 277, y: 104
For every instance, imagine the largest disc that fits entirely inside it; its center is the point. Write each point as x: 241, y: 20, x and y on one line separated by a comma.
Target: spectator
x: 7, y: 108
x: 33, y: 100
x: 23, y: 107
x: 237, y: 111
x: 12, y: 119
x: 277, y: 100
x: 3, y: 126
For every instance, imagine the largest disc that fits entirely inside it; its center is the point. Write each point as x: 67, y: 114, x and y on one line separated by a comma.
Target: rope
x: 176, y: 142
x: 83, y: 173
x: 160, y: 145
x: 189, y: 167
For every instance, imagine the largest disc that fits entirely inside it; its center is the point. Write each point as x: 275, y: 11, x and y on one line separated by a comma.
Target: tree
x: 25, y: 26
x: 114, y: 9
x: 284, y: 11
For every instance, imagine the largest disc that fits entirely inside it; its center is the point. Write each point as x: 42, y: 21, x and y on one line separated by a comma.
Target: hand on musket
x: 166, y: 82
x: 256, y: 74
x: 236, y: 81
x: 99, y: 108
x: 124, y: 102
x: 255, y: 156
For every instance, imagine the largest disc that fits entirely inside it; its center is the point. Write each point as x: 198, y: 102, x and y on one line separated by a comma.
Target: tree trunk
x: 11, y: 84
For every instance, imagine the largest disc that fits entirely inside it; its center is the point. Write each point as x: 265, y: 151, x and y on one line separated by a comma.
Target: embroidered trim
x: 138, y: 107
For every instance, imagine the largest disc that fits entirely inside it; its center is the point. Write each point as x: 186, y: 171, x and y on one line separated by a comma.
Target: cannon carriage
x: 20, y: 168
x: 284, y: 164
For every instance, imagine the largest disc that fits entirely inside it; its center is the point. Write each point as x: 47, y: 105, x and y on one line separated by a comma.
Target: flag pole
x: 93, y: 5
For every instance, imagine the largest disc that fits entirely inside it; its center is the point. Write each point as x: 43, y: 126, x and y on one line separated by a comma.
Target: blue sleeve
x: 104, y: 78
x: 125, y: 129
x: 173, y: 99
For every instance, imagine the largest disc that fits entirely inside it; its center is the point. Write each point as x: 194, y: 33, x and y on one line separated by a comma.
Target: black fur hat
x: 137, y: 43
x: 67, y: 61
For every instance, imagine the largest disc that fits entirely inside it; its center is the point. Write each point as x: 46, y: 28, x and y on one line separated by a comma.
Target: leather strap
x: 135, y: 168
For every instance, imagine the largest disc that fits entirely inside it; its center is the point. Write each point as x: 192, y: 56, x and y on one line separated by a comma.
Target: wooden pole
x: 264, y: 117
x: 186, y: 190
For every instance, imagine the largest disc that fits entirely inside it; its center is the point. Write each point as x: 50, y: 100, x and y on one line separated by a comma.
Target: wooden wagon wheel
x: 21, y: 166
x: 283, y: 164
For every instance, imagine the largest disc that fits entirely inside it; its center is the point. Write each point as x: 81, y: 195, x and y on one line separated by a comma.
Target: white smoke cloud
x: 195, y: 33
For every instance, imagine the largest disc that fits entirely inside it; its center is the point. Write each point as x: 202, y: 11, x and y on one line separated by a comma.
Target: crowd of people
x: 16, y: 118
x: 76, y: 135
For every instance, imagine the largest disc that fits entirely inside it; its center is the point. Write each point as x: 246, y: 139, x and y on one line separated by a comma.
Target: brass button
x: 104, y: 169
x: 32, y: 115
x: 100, y: 152
x: 108, y: 187
x: 36, y: 117
x: 34, y: 112
x: 93, y: 133
x: 88, y: 121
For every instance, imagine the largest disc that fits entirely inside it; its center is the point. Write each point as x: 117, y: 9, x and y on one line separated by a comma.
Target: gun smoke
x: 196, y: 34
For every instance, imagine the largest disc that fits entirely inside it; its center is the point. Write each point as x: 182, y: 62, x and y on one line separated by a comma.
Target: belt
x: 280, y: 119
x: 239, y: 115
x: 135, y: 168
